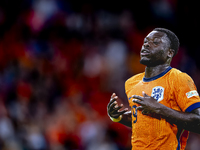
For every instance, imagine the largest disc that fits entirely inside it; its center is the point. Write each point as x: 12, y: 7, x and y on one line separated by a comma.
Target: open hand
x: 148, y: 105
x: 113, y: 107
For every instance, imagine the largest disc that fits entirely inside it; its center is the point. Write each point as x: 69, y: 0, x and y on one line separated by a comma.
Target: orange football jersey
x: 171, y: 88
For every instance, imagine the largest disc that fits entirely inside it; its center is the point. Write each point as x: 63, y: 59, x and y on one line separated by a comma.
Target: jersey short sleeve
x: 186, y: 93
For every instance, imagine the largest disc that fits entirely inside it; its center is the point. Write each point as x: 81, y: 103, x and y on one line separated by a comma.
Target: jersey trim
x: 178, y: 148
x: 192, y: 107
x: 158, y: 76
x: 179, y: 134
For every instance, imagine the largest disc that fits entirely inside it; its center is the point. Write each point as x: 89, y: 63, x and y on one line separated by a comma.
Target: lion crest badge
x: 158, y: 93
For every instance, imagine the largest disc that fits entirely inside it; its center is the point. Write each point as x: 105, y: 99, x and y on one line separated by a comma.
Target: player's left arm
x: 187, y: 120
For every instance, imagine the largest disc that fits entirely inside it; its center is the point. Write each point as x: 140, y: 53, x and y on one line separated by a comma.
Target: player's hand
x: 148, y: 105
x: 113, y: 107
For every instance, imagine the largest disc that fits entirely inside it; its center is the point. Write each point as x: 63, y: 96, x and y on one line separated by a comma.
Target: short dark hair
x: 174, y: 41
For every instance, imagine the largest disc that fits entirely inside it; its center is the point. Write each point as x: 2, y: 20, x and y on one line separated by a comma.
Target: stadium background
x: 60, y: 61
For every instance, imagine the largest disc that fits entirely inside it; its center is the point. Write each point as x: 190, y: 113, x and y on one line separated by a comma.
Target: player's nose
x: 146, y: 45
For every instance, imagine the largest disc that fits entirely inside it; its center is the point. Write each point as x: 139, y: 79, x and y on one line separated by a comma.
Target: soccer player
x: 164, y: 101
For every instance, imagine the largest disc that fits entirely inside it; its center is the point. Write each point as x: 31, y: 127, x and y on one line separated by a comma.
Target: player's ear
x: 171, y: 53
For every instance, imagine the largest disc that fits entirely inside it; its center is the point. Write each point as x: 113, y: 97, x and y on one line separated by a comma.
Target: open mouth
x: 144, y: 52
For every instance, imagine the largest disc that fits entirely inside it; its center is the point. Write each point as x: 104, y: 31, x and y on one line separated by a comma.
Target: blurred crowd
x: 60, y: 61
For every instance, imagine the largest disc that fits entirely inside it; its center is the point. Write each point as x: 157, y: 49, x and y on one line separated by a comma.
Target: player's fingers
x: 138, y: 97
x: 114, y: 111
x: 111, y: 106
x: 123, y: 111
x: 113, y: 95
x: 144, y: 94
x: 116, y: 108
x: 112, y: 100
x: 140, y: 108
x: 138, y: 101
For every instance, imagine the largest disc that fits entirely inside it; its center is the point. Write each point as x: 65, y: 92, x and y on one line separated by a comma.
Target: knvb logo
x: 158, y: 93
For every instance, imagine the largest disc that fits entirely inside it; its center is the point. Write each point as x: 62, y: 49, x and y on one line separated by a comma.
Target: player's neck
x: 154, y: 71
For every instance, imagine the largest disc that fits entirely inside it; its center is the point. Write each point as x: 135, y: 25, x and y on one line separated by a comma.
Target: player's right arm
x: 114, y: 112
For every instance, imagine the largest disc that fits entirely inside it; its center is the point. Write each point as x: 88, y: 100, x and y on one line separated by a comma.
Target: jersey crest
x: 158, y: 93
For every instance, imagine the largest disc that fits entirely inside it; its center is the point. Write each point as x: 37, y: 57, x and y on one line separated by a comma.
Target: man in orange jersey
x: 164, y: 101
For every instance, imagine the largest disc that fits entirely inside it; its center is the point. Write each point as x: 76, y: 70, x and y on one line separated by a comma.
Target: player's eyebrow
x: 158, y: 37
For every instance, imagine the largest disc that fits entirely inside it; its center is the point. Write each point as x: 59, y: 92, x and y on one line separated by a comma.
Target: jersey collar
x: 158, y: 76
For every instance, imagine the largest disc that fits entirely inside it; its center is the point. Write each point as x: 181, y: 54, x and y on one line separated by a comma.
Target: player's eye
x: 156, y: 43
x: 145, y: 41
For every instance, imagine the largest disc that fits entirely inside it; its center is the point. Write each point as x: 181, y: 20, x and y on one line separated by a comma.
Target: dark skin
x: 156, y: 55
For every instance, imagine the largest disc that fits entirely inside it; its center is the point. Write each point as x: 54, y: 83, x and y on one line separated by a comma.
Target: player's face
x: 155, y: 49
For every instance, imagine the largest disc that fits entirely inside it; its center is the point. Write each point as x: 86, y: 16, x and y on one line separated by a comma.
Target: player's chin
x: 145, y: 61
x: 148, y: 62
